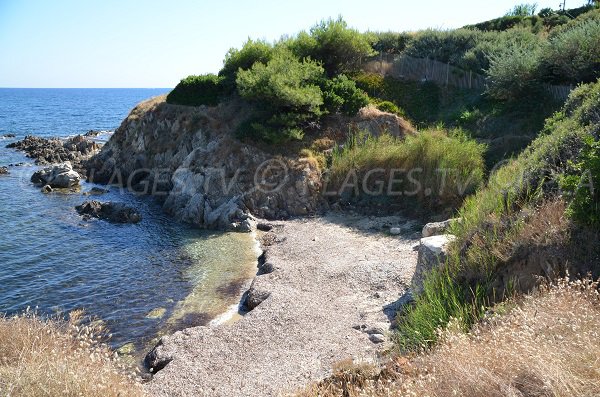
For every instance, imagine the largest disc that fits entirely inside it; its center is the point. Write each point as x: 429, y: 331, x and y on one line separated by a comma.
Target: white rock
x: 432, y: 253
x: 437, y: 228
x: 376, y: 338
x: 395, y: 231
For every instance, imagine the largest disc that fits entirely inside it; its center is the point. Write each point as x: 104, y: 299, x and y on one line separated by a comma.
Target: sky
x: 152, y: 43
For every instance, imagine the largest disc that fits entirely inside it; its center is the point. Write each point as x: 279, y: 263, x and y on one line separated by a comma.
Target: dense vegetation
x: 503, y: 215
x: 371, y: 165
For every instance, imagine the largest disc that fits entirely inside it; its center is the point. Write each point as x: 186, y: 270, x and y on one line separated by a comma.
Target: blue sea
x: 142, y: 280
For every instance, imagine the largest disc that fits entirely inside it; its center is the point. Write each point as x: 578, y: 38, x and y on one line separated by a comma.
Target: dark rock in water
x: 96, y: 191
x: 50, y: 151
x: 58, y: 176
x: 156, y: 360
x: 93, y: 133
x: 4, y: 171
x: 47, y: 189
x: 111, y: 212
x: 9, y: 136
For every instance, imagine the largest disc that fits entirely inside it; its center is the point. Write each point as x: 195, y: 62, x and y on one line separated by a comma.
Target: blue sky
x: 127, y: 43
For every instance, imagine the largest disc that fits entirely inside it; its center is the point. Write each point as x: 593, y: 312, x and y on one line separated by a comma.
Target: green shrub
x: 439, y: 168
x: 286, y: 93
x: 389, y: 107
x: 573, y: 55
x: 197, y: 90
x: 443, y: 45
x: 251, y: 52
x: 513, y: 73
x: 340, y: 94
x: 390, y: 42
x: 523, y: 10
x: 338, y: 47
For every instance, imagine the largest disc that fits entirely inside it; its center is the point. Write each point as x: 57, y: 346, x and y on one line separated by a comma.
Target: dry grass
x: 57, y: 358
x: 547, y: 345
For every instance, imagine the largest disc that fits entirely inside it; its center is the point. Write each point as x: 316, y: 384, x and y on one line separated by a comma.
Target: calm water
x: 142, y: 279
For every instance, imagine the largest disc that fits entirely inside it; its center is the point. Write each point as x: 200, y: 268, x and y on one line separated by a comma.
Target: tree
x: 523, y: 10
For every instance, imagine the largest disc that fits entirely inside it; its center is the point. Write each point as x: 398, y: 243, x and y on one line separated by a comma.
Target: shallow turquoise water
x: 53, y: 261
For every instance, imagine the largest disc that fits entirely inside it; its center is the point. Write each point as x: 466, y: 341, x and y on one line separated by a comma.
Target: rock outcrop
x: 60, y: 176
x: 437, y: 228
x: 432, y: 253
x: 190, y: 158
x: 51, y: 151
x: 111, y: 212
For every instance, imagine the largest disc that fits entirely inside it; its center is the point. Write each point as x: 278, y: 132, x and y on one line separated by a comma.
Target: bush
x: 523, y: 10
x: 332, y: 42
x: 389, y: 107
x: 513, y: 73
x: 444, y: 46
x: 423, y: 157
x: 286, y: 93
x: 250, y: 53
x: 390, y: 42
x: 197, y: 90
x: 573, y: 54
x: 340, y: 94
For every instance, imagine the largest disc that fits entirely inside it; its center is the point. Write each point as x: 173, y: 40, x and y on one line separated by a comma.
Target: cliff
x: 189, y: 158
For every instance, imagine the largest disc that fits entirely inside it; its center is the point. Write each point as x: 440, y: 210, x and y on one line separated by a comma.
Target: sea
x: 141, y: 280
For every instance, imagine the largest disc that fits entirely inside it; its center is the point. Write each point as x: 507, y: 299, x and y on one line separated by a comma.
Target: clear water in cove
x: 142, y: 280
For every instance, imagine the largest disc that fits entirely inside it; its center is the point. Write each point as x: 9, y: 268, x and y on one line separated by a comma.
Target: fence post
x: 447, y: 73
x: 470, y: 78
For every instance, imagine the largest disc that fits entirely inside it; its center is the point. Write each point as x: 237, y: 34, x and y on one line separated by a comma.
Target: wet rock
x: 159, y: 312
x: 432, y: 253
x: 9, y: 136
x: 156, y: 360
x: 51, y: 151
x: 58, y: 176
x: 264, y: 226
x: 96, y: 191
x: 437, y: 228
x: 46, y: 189
x: 258, y: 292
x: 4, y: 171
x: 111, y: 212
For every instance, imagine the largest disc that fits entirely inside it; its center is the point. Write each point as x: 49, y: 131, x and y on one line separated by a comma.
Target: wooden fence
x: 423, y: 69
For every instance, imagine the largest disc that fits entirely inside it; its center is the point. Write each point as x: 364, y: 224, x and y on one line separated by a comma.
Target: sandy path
x: 333, y: 274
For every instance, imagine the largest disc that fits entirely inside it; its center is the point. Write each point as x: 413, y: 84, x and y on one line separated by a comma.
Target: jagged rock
x: 58, y: 176
x: 437, y: 228
x: 376, y: 338
x: 432, y: 253
x: 96, y: 191
x: 9, y: 136
x: 4, y: 171
x: 156, y: 360
x: 46, y: 189
x: 258, y: 292
x: 111, y: 212
x: 50, y: 151
x: 264, y: 226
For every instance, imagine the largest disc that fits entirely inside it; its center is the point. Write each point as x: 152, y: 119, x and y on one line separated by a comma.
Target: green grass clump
x: 431, y: 168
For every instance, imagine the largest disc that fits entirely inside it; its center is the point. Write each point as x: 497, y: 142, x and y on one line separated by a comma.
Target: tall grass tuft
x: 432, y: 168
x: 59, y: 358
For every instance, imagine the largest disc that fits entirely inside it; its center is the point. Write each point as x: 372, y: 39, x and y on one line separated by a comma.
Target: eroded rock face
x: 432, y: 253
x: 59, y: 176
x: 50, y: 151
x: 189, y: 157
x: 111, y: 212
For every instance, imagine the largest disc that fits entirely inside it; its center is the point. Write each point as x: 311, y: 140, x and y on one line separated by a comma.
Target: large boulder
x: 432, y: 253
x: 111, y: 212
x: 57, y: 176
x: 437, y: 228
